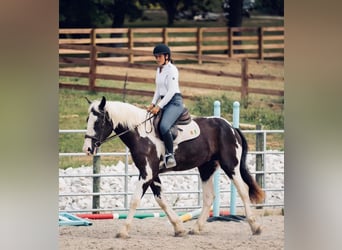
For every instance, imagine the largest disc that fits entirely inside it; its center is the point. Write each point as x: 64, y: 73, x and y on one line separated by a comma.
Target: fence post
x: 96, y: 181
x: 93, y: 58
x: 216, y: 205
x: 165, y: 36
x: 236, y: 122
x: 126, y: 180
x: 244, y: 82
x: 259, y: 146
x: 130, y: 45
x: 261, y: 42
x: 199, y: 44
x: 230, y: 42
x: 259, y: 159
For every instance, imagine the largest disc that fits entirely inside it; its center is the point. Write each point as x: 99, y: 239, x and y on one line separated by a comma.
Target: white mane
x: 128, y: 116
x: 125, y: 114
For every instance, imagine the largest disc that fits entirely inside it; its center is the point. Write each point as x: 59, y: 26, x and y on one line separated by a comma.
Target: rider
x: 171, y: 102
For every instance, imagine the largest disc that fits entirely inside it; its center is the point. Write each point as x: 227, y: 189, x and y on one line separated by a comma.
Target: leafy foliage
x: 272, y: 7
x: 113, y: 13
x: 268, y: 118
x: 204, y: 105
x: 98, y: 13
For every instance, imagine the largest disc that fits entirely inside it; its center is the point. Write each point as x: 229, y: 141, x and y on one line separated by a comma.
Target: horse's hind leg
x: 173, y: 217
x: 242, y: 189
x: 140, y: 189
x: 208, y: 197
x: 230, y: 163
x: 207, y: 175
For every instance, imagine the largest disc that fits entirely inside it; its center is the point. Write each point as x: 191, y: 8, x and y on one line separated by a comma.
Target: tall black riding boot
x: 169, y: 157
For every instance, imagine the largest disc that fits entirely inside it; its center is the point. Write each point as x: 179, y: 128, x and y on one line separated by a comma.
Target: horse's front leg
x: 173, y: 217
x: 140, y: 189
x: 208, y: 198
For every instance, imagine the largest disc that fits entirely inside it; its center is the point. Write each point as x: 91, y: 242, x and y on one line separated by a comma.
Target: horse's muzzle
x: 88, y: 147
x: 91, y: 151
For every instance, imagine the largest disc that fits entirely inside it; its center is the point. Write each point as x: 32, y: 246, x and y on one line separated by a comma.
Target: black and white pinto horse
x: 218, y: 145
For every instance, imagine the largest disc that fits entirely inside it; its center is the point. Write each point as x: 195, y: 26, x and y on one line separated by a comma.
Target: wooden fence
x: 237, y: 42
x: 128, y: 48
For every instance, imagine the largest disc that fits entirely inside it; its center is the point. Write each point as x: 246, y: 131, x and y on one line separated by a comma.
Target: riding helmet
x: 161, y: 49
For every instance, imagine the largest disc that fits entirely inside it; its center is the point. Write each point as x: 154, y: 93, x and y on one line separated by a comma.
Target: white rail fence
x: 177, y: 186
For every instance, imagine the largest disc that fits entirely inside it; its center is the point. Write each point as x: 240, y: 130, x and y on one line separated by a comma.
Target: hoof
x: 257, y: 231
x: 180, y: 233
x: 194, y: 232
x: 122, y: 235
x: 255, y: 227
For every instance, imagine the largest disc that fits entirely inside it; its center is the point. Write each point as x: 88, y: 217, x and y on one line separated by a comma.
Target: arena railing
x: 265, y: 174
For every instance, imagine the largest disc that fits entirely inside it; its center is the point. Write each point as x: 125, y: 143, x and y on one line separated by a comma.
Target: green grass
x: 73, y: 109
x: 255, y: 115
x: 73, y: 112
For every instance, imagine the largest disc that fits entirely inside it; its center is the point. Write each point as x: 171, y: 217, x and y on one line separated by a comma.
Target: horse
x: 219, y: 144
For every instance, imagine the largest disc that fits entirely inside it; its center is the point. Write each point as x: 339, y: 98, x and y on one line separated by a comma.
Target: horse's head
x: 99, y: 126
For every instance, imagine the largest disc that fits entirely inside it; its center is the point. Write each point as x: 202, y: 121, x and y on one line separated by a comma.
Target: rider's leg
x: 169, y: 157
x: 171, y: 112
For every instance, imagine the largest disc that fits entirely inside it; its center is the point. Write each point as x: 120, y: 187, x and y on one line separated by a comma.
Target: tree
x: 272, y: 7
x: 173, y: 6
x: 112, y: 13
x: 233, y: 12
x: 77, y: 13
x: 170, y: 6
x: 117, y: 10
x: 98, y: 13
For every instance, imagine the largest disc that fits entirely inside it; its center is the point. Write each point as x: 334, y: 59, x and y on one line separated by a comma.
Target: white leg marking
x: 135, y: 201
x: 208, y: 198
x: 243, y: 191
x: 173, y: 217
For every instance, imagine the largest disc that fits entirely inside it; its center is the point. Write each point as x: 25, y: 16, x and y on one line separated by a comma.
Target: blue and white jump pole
x: 236, y: 122
x: 216, y: 205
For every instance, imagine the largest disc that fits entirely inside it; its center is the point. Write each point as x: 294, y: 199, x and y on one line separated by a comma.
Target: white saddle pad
x: 187, y: 132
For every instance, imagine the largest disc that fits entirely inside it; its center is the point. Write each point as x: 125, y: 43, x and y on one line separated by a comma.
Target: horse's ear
x: 89, y: 102
x: 103, y: 103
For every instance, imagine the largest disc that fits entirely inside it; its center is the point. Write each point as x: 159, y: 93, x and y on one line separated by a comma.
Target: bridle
x: 98, y: 141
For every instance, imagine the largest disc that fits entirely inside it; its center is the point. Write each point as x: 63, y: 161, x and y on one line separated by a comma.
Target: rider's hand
x: 150, y: 107
x: 155, y: 110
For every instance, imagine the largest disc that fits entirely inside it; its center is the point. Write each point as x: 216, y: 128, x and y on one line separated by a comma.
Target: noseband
x: 98, y: 142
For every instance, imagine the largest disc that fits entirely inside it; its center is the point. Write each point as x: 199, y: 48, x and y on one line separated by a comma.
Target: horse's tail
x: 256, y: 194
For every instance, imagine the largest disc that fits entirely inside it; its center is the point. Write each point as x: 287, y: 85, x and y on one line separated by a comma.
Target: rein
x: 98, y: 143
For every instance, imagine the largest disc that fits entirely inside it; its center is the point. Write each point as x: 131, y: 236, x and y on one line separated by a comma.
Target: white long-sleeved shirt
x: 166, y: 84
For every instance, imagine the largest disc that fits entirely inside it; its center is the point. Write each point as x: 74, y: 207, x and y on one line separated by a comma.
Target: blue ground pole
x: 236, y: 122
x: 216, y: 206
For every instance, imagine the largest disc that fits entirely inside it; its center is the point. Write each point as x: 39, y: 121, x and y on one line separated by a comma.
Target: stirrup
x: 170, y: 161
